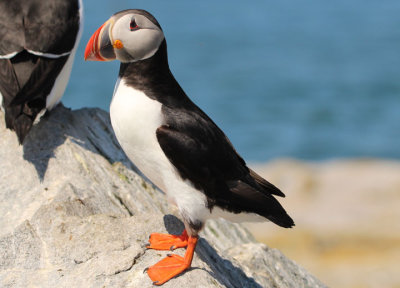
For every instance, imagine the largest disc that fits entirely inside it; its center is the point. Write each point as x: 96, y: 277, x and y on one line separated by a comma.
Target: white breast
x: 135, y: 119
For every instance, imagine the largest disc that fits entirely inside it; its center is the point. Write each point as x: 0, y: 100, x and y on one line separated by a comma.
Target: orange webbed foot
x: 172, y: 265
x: 166, y: 269
x: 159, y: 241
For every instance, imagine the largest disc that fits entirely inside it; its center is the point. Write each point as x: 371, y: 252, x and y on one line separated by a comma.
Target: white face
x: 139, y: 36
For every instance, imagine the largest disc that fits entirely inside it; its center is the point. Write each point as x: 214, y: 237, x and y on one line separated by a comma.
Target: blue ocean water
x: 307, y: 79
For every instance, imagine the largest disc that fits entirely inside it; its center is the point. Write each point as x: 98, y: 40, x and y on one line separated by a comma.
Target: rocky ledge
x: 74, y: 212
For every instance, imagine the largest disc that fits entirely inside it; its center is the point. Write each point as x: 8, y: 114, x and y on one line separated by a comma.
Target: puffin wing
x: 201, y: 153
x: 41, y: 79
x: 8, y: 81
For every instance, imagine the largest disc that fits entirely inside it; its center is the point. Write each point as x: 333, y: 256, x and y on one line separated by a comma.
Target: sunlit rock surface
x: 75, y: 213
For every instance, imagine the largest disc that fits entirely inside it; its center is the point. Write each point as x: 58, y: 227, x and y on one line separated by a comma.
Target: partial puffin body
x: 39, y: 41
x: 173, y: 142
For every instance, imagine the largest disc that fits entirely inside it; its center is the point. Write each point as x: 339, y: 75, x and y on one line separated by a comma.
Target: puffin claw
x: 172, y: 248
x: 145, y: 270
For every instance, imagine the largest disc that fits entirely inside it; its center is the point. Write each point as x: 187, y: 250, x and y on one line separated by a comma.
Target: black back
x: 26, y: 79
x: 44, y: 26
x: 198, y: 149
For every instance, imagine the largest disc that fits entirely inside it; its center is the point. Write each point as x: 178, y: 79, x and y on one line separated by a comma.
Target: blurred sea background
x: 307, y: 91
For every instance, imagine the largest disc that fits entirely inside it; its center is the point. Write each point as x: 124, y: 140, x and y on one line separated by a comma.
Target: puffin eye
x: 133, y: 26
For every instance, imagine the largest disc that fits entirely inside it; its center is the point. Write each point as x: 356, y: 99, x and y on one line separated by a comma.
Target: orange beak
x: 99, y: 47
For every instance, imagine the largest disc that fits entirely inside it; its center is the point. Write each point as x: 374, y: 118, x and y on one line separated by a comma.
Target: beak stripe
x: 96, y: 45
x: 92, y: 51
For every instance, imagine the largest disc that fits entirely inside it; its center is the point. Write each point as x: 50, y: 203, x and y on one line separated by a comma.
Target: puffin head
x: 129, y: 36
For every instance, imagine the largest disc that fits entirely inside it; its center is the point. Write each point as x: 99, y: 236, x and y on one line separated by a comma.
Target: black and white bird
x: 173, y: 142
x: 37, y: 48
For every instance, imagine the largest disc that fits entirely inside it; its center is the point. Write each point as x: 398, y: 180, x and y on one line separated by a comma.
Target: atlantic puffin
x: 173, y: 142
x: 37, y: 48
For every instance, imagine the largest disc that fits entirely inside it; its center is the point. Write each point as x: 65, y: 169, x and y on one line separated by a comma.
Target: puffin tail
x: 22, y: 126
x: 283, y: 219
x: 267, y: 186
x: 250, y: 199
x: 20, y: 122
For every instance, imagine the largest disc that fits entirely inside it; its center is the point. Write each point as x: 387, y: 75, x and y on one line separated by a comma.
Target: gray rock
x: 74, y: 212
